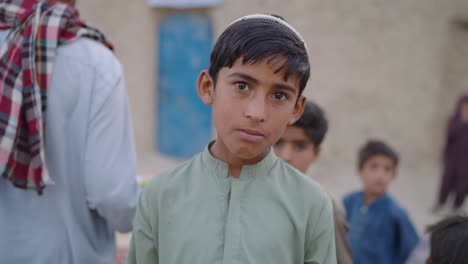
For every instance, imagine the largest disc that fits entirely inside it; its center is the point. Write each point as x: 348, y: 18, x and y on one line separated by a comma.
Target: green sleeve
x: 143, y: 245
x: 320, y: 236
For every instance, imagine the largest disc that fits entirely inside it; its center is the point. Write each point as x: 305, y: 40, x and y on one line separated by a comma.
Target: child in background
x: 380, y: 230
x: 446, y: 243
x: 300, y: 147
x: 449, y: 241
x: 236, y: 202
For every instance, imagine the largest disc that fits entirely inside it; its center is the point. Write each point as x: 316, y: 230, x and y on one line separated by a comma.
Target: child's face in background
x: 252, y: 105
x: 377, y: 173
x: 296, y: 148
x: 464, y: 111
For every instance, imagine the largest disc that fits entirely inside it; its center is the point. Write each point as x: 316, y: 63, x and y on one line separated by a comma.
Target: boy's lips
x: 251, y: 135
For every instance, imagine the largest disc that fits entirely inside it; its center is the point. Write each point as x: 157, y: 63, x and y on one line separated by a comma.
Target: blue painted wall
x: 183, y: 125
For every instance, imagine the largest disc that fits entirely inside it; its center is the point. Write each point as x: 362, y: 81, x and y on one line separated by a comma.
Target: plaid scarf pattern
x: 27, y: 56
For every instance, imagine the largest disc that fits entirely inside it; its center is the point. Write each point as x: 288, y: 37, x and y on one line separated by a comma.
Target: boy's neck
x: 235, y: 164
x: 370, y: 197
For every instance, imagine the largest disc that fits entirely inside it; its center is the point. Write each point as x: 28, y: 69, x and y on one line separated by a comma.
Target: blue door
x: 184, y: 125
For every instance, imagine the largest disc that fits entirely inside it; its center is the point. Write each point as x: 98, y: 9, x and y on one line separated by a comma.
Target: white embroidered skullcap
x: 272, y: 19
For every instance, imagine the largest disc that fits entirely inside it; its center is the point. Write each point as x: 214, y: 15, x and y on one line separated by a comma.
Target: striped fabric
x: 26, y: 63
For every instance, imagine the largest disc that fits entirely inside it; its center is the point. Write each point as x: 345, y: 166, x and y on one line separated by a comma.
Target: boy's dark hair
x: 257, y: 39
x: 449, y: 241
x: 375, y: 148
x: 314, y: 123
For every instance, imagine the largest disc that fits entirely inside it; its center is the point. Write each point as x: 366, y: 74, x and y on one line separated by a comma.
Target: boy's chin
x: 250, y: 154
x: 376, y: 192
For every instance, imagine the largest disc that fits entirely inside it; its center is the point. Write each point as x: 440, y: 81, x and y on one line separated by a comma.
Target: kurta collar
x: 379, y: 201
x: 220, y: 167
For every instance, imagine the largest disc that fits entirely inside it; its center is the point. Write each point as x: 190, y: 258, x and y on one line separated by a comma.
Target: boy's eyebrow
x: 253, y: 80
x: 244, y: 76
x: 285, y: 87
x: 300, y: 141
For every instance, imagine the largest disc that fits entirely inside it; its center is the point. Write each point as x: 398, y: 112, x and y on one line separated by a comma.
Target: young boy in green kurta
x: 236, y: 202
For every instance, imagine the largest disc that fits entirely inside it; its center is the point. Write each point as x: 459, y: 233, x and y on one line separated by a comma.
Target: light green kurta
x: 196, y: 214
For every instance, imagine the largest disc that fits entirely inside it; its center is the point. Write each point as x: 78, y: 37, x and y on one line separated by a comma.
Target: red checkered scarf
x: 26, y: 64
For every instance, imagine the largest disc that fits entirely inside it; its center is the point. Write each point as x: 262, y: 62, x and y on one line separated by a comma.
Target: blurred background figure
x: 455, y: 173
x: 300, y: 147
x: 449, y: 241
x: 445, y: 243
x: 380, y: 230
x: 65, y: 133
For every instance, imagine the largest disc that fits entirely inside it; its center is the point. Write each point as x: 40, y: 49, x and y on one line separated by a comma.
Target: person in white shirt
x: 90, y: 155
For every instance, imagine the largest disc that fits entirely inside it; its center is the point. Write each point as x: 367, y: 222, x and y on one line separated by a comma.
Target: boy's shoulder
x: 173, y: 176
x: 396, y: 211
x: 352, y: 197
x: 299, y: 182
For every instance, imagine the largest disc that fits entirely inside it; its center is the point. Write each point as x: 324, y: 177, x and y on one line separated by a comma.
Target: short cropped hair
x: 449, y: 241
x: 376, y: 148
x: 314, y: 123
x: 258, y: 39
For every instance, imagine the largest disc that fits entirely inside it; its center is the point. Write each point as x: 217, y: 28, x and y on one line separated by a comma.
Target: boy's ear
x: 298, y: 110
x: 429, y: 261
x: 205, y: 87
x: 359, y: 171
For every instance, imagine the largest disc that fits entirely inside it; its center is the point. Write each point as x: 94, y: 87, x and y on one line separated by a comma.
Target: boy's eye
x: 242, y: 86
x: 280, y: 96
x: 387, y: 168
x: 300, y: 146
x: 373, y: 166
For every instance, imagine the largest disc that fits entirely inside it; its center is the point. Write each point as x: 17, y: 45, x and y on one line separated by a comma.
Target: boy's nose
x: 255, y: 109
